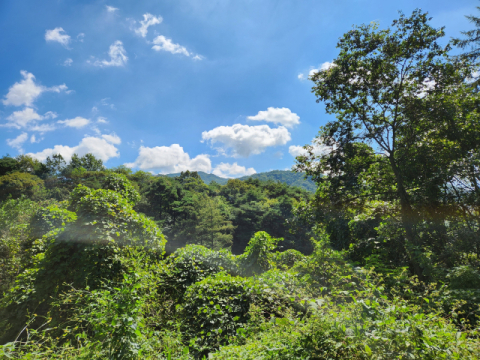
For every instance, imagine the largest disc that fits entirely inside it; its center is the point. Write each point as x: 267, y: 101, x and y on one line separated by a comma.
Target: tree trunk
x: 408, y: 221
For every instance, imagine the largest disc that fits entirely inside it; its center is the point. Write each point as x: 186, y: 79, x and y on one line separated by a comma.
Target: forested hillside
x: 380, y: 262
x: 284, y: 176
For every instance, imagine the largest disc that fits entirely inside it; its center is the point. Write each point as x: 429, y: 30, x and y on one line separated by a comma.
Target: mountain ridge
x: 285, y: 176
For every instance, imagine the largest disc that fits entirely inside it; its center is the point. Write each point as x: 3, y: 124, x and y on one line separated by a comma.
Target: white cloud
x: 58, y: 35
x: 77, y: 122
x: 118, y: 56
x: 245, y: 140
x: 33, y: 139
x: 101, y: 148
x: 68, y: 62
x: 170, y: 159
x: 50, y: 115
x: 226, y: 170
x: 80, y: 37
x: 27, y: 91
x: 20, y: 119
x: 113, y: 139
x: 18, y: 141
x: 198, y: 57
x: 148, y: 20
x: 165, y: 44
x: 42, y: 128
x: 318, y: 149
x: 282, y: 116
x: 111, y: 9
x: 325, y: 66
x: 102, y: 120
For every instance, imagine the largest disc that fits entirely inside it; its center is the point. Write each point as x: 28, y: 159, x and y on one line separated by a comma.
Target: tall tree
x: 398, y: 100
x: 213, y: 229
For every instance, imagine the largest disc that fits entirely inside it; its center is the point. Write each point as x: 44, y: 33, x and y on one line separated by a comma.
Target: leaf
x: 368, y: 350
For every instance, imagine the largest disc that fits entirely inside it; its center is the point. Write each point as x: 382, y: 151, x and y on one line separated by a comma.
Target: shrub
x: 191, y: 264
x: 258, y: 256
x: 216, y: 308
x: 287, y: 259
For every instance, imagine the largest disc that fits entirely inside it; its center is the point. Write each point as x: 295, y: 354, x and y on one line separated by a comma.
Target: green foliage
x: 16, y: 184
x: 191, y: 264
x: 15, y: 215
x: 120, y: 184
x: 49, y: 218
x: 217, y: 308
x: 287, y: 259
x: 258, y: 256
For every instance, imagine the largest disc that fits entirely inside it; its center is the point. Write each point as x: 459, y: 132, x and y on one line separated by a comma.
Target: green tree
x: 471, y: 40
x: 8, y: 165
x: 397, y: 97
x: 213, y: 229
x: 17, y: 184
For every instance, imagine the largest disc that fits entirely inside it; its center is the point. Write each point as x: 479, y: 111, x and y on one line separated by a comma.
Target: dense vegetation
x: 283, y: 176
x: 382, y: 262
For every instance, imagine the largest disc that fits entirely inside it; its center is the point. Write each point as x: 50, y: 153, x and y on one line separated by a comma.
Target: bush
x: 287, y: 259
x: 216, y: 308
x: 189, y: 265
x: 258, y: 256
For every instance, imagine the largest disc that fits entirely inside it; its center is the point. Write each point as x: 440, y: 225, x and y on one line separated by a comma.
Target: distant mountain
x: 287, y: 177
x: 284, y: 176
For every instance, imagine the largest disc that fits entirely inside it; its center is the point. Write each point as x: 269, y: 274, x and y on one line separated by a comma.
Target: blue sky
x: 215, y: 85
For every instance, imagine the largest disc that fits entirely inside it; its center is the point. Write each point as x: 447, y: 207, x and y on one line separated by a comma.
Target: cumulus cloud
x: 113, y: 139
x: 245, y: 140
x: 68, y: 62
x: 282, y: 116
x: 102, y: 120
x: 20, y: 119
x: 148, y: 20
x: 226, y: 170
x: 27, y: 119
x: 59, y: 35
x: 77, y: 122
x: 318, y: 149
x: 99, y: 147
x: 80, y: 37
x: 170, y: 159
x: 27, y: 91
x: 118, y: 56
x: 164, y: 44
x: 18, y: 141
x: 111, y: 9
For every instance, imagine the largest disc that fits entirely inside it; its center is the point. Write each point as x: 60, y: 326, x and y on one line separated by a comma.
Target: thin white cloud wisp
x: 118, y: 56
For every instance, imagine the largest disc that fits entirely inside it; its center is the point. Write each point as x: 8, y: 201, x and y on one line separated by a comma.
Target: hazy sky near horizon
x: 219, y: 86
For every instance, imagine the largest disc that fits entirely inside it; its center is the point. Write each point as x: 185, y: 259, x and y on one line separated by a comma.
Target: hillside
x: 284, y: 176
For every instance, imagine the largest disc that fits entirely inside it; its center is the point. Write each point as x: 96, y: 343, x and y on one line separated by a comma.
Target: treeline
x: 184, y: 207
